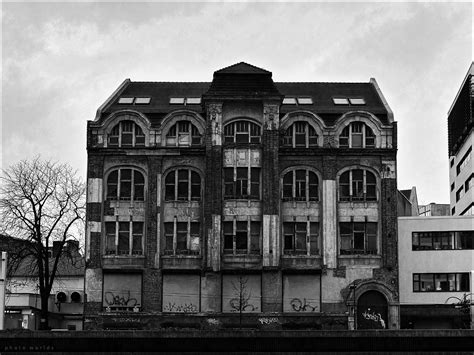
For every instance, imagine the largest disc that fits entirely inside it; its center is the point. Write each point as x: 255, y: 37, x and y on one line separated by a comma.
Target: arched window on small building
x: 300, y: 134
x: 183, y: 134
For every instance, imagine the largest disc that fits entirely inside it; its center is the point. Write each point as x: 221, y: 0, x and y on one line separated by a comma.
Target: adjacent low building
x: 436, y: 271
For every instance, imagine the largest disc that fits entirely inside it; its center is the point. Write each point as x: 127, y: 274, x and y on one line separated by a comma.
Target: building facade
x: 460, y: 141
x: 242, y: 198
x: 436, y: 276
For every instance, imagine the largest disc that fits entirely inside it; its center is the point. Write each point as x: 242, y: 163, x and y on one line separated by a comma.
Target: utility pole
x: 3, y: 281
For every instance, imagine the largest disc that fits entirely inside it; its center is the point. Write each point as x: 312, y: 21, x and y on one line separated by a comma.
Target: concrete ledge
x: 237, y: 340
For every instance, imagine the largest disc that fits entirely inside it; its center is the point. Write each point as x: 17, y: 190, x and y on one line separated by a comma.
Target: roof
x: 71, y: 263
x: 406, y: 193
x: 247, y: 82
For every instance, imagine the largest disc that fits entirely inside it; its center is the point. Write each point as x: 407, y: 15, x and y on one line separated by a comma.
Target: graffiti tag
x: 116, y: 300
x: 375, y: 317
x: 299, y: 305
x: 182, y: 308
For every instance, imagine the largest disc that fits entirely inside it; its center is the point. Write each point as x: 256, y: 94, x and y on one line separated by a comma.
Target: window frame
x: 119, y: 185
x: 175, y: 185
x: 348, y: 231
x: 353, y: 184
x: 357, y: 129
x: 311, y: 137
x: 290, y: 231
x: 192, y: 232
x: 460, y: 279
x: 115, y: 236
x: 175, y: 139
x: 248, y: 178
x: 240, y: 128
x: 233, y: 233
x: 294, y: 186
x: 138, y: 136
x: 442, y: 240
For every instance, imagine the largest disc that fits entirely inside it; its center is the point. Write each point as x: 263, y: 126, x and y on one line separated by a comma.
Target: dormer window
x: 183, y: 134
x: 357, y: 135
x: 300, y: 134
x: 242, y: 132
x: 126, y: 134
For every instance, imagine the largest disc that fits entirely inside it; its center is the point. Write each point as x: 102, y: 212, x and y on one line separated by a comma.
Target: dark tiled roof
x: 248, y: 82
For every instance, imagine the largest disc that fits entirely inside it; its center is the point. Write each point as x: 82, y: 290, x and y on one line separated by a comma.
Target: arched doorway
x: 372, y: 311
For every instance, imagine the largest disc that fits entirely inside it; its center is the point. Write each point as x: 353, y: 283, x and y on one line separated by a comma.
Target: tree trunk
x: 44, y: 314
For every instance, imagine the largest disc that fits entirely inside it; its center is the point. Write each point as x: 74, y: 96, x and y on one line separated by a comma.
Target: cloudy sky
x: 62, y: 60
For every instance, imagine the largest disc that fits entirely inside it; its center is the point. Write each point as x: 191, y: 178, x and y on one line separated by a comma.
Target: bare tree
x: 43, y: 204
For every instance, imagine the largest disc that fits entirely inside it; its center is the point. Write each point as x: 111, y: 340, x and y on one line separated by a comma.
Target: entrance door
x: 372, y: 311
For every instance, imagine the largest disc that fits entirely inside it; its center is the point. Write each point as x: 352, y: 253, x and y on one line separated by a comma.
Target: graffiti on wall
x: 180, y: 308
x: 303, y: 305
x: 370, y: 315
x: 120, y: 300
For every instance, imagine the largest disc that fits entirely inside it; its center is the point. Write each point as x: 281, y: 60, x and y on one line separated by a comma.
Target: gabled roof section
x: 242, y: 68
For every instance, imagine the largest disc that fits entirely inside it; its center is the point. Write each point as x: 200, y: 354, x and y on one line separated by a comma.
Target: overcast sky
x: 62, y: 60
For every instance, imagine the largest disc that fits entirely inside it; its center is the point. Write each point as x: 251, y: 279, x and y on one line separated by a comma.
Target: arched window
x: 183, y: 134
x: 357, y: 135
x: 300, y: 185
x: 182, y: 185
x: 357, y: 185
x: 300, y: 134
x: 126, y: 184
x: 126, y: 134
x: 242, y: 132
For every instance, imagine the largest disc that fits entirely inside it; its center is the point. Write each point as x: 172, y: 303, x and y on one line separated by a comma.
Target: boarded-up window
x: 241, y: 293
x: 122, y: 291
x: 181, y: 293
x: 301, y: 293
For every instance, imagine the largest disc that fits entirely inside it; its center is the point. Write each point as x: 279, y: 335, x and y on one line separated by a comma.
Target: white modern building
x: 461, y: 141
x: 436, y: 263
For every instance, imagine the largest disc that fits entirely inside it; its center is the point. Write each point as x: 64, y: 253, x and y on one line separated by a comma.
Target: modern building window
x: 183, y: 134
x: 241, y: 237
x: 126, y: 184
x: 459, y: 193
x: 241, y: 183
x: 464, y: 161
x: 182, y: 185
x: 452, y: 186
x: 300, y: 134
x: 357, y: 135
x: 441, y: 282
x: 443, y: 240
x: 126, y: 134
x: 357, y: 185
x: 182, y: 238
x: 469, y: 183
x: 300, y: 185
x: 124, y: 238
x: 468, y: 211
x: 301, y: 238
x: 242, y: 132
x: 358, y: 238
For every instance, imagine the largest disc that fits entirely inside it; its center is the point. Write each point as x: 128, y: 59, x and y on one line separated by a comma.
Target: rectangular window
x: 443, y: 240
x: 464, y: 161
x: 459, y: 193
x: 289, y: 101
x: 441, y: 282
x: 241, y: 237
x: 452, y: 186
x: 177, y: 100
x: 124, y: 238
x: 305, y: 101
x: 340, y: 101
x: 182, y: 238
x: 245, y: 185
x: 193, y: 101
x: 301, y: 238
x: 358, y: 238
x: 357, y: 101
